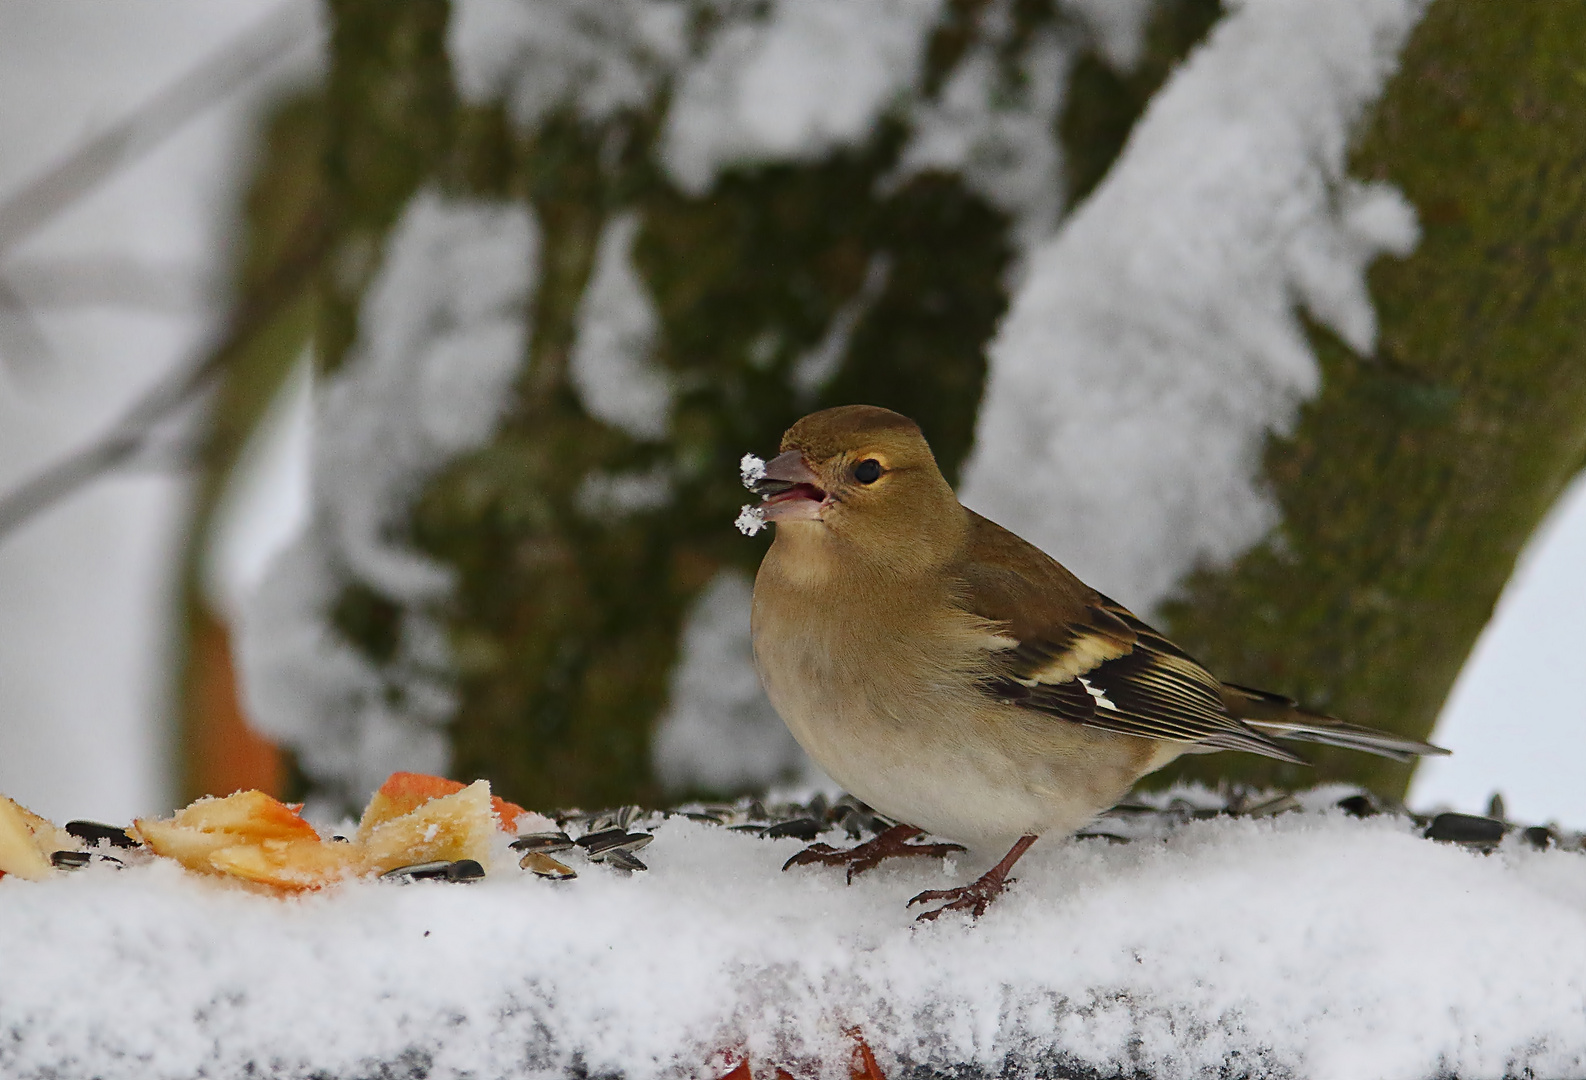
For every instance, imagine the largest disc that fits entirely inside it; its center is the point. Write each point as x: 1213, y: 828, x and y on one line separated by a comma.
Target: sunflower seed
x: 804, y: 828
x: 93, y: 832
x: 1540, y: 837
x: 465, y: 870
x: 612, y: 840
x: 1271, y: 808
x: 76, y: 860
x: 543, y: 841
x: 439, y: 870
x: 1360, y: 806
x: 620, y: 858
x: 1465, y: 829
x: 542, y: 865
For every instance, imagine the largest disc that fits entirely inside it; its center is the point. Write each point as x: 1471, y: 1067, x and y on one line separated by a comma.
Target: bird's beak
x: 789, y: 490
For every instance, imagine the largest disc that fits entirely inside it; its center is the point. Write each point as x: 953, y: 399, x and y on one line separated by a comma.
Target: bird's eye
x: 867, y: 471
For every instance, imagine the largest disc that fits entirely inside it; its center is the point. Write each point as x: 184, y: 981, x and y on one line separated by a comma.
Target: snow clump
x: 719, y: 732
x: 1155, y: 343
x: 442, y: 335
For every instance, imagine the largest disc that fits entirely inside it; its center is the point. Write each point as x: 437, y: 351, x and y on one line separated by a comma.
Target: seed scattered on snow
x: 542, y: 865
x: 76, y: 860
x: 620, y: 859
x: 542, y: 842
x: 596, y: 844
x: 440, y: 870
x: 93, y: 832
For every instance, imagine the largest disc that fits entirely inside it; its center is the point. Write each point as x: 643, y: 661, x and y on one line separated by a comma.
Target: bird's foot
x: 978, y: 894
x: 972, y: 898
x: 891, y: 844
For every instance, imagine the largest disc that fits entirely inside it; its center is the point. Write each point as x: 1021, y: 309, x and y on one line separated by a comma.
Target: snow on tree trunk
x: 1411, y: 482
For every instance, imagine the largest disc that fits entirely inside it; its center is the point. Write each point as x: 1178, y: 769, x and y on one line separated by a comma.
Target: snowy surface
x: 443, y: 334
x: 1310, y: 945
x: 1156, y: 341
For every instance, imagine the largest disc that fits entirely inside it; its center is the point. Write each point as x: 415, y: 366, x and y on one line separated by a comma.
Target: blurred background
x: 373, y: 377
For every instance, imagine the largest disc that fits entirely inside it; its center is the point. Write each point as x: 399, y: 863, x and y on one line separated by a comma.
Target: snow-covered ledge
x: 1307, y: 944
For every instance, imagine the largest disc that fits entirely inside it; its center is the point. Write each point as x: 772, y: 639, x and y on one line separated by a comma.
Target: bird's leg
x: 974, y: 897
x: 892, y: 843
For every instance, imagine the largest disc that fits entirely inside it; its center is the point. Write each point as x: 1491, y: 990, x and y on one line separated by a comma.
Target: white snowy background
x: 86, y: 590
x: 1309, y: 944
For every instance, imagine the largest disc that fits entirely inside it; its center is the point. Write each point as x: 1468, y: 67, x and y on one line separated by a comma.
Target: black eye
x: 867, y: 471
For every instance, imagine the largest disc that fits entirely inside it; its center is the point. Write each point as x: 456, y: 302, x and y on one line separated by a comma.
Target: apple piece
x: 190, y: 847
x: 452, y: 827
x: 196, y: 832
x: 49, y: 836
x: 252, y: 813
x: 20, y: 853
x: 291, y: 865
x: 507, y: 813
x: 404, y: 792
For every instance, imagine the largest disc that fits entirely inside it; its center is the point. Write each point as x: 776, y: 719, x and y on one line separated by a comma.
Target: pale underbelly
x: 981, y: 777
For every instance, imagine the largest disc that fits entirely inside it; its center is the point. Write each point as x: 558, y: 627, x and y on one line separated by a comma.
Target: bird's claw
x: 893, y: 843
x: 972, y: 898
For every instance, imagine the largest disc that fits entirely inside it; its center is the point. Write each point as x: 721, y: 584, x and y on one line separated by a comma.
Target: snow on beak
x: 789, y: 490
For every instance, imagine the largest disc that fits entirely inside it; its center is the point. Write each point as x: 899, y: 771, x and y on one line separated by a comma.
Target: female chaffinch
x: 954, y: 676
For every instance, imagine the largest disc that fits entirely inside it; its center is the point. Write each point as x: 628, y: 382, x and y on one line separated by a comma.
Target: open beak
x: 789, y: 490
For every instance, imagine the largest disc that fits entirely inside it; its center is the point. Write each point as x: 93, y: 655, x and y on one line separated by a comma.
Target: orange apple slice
x: 404, y: 792
x: 452, y: 827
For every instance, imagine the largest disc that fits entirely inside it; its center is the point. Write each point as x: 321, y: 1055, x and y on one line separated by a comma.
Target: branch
x: 131, y: 434
x: 105, y: 281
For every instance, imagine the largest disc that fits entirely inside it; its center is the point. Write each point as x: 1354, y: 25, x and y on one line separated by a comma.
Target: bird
x: 957, y: 678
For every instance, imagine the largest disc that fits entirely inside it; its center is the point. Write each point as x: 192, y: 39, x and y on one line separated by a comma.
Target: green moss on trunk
x: 1411, y: 484
x: 390, y: 111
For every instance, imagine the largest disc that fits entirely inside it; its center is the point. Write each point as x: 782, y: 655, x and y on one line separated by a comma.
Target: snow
x: 442, y: 336
x: 996, y: 132
x: 598, y: 57
x: 719, y: 731
x: 1117, y: 25
x: 1156, y: 341
x: 618, y: 494
x: 751, y: 470
x: 1306, y: 944
x: 266, y: 503
x: 815, y: 368
x: 750, y: 520
x: 610, y: 365
x: 807, y: 77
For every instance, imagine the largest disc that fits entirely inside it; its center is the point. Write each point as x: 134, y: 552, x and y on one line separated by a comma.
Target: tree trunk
x: 1407, y: 489
x: 1413, y: 481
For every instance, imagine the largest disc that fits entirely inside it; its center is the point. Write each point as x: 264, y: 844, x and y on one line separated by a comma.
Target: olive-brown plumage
x: 955, y: 676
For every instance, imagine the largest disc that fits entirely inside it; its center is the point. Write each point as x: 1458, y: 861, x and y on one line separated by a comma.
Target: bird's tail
x: 1282, y: 718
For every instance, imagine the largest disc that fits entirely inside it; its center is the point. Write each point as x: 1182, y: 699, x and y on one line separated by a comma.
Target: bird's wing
x: 1071, y: 653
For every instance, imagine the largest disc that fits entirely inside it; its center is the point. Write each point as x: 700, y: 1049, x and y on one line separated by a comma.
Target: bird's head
x: 864, y: 475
